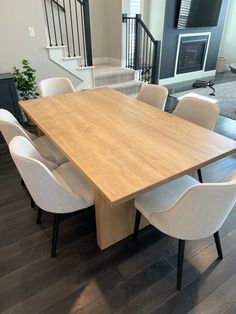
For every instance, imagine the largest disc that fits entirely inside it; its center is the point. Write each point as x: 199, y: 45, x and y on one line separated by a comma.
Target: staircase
x: 117, y: 78
x: 69, y: 38
x: 69, y: 45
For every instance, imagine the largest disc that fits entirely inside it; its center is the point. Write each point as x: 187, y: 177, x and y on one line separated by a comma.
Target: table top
x: 123, y: 146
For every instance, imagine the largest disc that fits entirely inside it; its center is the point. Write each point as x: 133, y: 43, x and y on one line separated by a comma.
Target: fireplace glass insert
x: 191, y: 55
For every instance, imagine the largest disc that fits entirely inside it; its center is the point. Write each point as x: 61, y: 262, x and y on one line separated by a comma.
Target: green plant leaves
x: 26, y: 81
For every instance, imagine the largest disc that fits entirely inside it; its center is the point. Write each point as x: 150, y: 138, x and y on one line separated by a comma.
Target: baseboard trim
x: 187, y: 77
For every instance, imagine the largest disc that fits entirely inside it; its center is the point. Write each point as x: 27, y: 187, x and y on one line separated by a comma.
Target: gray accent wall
x: 171, y: 33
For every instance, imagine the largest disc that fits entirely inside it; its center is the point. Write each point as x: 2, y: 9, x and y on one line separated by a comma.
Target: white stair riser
x: 100, y: 81
x: 57, y: 53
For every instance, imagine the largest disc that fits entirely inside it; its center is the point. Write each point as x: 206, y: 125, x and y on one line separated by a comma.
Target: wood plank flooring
x: 126, y: 278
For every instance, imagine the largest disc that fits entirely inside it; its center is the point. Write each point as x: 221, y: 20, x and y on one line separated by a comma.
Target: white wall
x: 106, y: 28
x: 114, y: 29
x: 154, y: 15
x: 106, y: 25
x: 17, y: 45
x: 98, y: 18
x: 228, y: 43
x: 15, y: 17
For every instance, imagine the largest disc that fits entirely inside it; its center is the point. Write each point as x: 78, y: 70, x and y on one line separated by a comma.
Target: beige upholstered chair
x: 188, y: 210
x: 200, y: 111
x: 10, y: 128
x: 55, y: 189
x: 154, y: 95
x: 55, y: 86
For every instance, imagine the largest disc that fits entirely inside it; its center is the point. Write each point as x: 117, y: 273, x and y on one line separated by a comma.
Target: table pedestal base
x: 114, y: 223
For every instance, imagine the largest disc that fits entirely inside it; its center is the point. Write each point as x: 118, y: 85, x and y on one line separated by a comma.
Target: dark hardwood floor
x: 126, y: 278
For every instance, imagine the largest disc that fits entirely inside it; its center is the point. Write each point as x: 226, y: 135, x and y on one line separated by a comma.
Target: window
x: 136, y: 7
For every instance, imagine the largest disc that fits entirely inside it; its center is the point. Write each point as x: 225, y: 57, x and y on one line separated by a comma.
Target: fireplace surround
x: 191, y: 53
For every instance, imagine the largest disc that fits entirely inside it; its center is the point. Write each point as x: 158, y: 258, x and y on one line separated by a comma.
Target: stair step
x: 106, y: 75
x: 55, y: 47
x: 128, y: 87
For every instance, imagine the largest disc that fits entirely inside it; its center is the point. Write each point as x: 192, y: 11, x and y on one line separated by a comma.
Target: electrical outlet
x: 31, y: 31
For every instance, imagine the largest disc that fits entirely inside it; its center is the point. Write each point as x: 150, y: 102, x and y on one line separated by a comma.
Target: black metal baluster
x: 130, y: 26
x: 67, y: 35
x: 53, y: 20
x: 83, y: 35
x: 128, y: 43
x: 143, y: 59
x: 149, y: 62
x: 141, y: 56
x: 49, y: 34
x: 133, y: 42
x: 72, y: 28
x: 77, y: 24
x: 126, y: 39
x: 146, y: 63
x: 59, y: 21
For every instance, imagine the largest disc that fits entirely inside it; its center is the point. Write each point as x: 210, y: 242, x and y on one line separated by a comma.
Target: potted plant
x: 26, y: 81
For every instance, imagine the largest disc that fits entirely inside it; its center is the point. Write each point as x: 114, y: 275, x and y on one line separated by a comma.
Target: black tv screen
x: 199, y: 13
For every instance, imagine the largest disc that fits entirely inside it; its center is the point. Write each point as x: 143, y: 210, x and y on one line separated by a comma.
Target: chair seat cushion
x: 48, y: 150
x: 74, y: 182
x: 163, y: 197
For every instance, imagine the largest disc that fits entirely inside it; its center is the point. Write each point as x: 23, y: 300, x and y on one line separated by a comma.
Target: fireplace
x: 191, y: 55
x: 191, y: 52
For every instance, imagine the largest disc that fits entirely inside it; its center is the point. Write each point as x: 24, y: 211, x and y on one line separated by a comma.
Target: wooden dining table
x: 124, y: 148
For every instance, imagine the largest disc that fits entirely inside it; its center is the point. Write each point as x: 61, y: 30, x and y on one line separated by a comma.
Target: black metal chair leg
x: 136, y: 225
x: 55, y: 235
x: 32, y: 202
x: 180, y: 264
x: 39, y: 216
x: 218, y: 245
x: 199, y: 172
x: 22, y: 182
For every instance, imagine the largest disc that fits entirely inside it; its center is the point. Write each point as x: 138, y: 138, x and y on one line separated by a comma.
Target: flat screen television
x: 199, y: 13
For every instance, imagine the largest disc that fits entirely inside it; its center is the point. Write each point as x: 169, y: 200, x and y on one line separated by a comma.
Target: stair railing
x: 68, y: 24
x: 142, y: 50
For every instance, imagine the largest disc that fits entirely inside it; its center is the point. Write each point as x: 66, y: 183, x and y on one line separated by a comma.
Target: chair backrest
x: 55, y: 86
x: 199, y: 111
x: 10, y: 127
x: 154, y: 95
x: 45, y: 189
x: 201, y: 210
